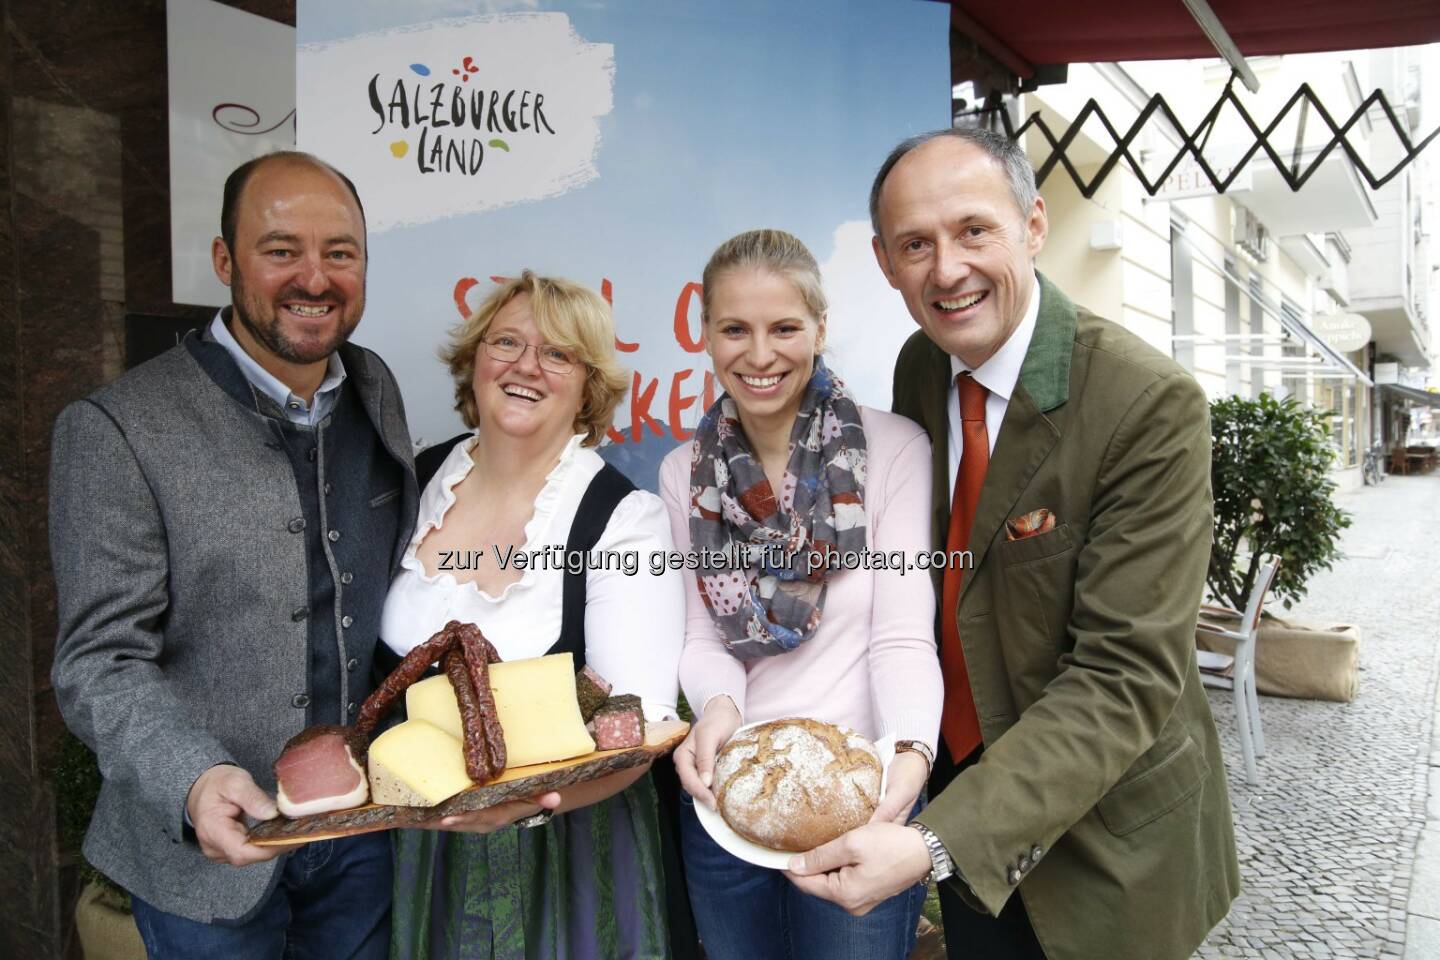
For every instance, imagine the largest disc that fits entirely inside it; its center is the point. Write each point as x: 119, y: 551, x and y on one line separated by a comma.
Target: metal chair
x: 1237, y: 673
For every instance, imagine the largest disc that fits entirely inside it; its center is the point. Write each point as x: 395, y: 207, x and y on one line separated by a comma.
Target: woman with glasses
x: 576, y: 873
x: 787, y: 468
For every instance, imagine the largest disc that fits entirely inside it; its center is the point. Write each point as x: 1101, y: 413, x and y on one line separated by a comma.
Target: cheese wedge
x: 433, y: 700
x: 535, y: 699
x: 416, y: 764
x: 539, y: 711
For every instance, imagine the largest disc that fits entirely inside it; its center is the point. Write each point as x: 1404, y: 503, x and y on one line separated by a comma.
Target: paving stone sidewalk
x: 1328, y: 839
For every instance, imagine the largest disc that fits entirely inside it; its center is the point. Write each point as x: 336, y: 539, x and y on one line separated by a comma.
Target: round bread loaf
x: 796, y: 783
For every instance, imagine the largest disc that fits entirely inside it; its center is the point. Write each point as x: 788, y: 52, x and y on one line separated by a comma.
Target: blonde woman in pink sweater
x: 786, y: 463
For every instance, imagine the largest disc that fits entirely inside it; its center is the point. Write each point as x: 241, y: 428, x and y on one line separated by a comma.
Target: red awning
x: 1066, y: 31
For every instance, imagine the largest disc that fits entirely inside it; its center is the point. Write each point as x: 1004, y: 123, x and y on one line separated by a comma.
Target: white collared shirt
x: 634, y: 619
x: 295, y: 407
x: 999, y: 375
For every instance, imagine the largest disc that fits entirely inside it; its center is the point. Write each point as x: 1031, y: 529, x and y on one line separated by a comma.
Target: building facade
x: 1256, y: 289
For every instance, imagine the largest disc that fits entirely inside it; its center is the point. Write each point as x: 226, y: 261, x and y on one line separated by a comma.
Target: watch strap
x: 942, y: 865
x: 917, y: 746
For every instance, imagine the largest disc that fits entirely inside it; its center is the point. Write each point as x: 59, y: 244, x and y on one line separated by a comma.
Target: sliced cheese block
x: 433, y: 700
x: 416, y: 764
x: 536, y: 700
x: 538, y: 710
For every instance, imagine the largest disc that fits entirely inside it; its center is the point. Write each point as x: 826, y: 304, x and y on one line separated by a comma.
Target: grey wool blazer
x: 177, y: 573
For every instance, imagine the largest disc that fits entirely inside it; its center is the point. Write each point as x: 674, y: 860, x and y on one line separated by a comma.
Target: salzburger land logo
x: 453, y: 124
x: 456, y: 117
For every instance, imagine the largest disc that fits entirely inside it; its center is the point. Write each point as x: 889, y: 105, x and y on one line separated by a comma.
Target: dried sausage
x: 412, y: 668
x: 479, y: 654
x: 477, y: 760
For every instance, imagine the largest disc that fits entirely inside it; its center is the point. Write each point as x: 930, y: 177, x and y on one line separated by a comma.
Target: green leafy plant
x: 76, y: 780
x: 1270, y: 471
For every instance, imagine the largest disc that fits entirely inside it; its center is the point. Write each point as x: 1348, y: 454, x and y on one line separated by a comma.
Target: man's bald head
x: 240, y: 176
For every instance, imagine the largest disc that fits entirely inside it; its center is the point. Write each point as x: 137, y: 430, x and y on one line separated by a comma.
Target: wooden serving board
x: 514, y: 784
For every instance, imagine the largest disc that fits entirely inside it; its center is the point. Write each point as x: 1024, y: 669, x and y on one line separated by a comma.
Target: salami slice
x: 619, y: 723
x: 592, y: 690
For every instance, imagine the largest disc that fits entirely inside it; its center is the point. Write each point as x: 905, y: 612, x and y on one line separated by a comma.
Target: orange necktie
x: 959, y: 722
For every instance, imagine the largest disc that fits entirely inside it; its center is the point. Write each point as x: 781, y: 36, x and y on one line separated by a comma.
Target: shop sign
x: 1342, y: 332
x: 1189, y: 179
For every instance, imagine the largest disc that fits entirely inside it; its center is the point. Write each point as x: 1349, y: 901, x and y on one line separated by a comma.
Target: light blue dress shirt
x: 296, y: 409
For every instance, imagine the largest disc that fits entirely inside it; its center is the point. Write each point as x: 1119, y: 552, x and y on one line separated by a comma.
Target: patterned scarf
x: 768, y: 591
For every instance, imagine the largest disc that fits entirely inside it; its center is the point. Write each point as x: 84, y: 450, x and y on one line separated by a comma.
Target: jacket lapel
x: 936, y: 379
x: 1027, y: 435
x: 385, y: 416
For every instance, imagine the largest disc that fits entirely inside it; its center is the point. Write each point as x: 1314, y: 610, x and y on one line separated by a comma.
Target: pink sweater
x: 872, y: 664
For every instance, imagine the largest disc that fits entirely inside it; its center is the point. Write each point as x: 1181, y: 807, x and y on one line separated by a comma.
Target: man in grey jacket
x: 224, y: 521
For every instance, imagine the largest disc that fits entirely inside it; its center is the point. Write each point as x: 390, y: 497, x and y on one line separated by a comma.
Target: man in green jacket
x: 1079, y: 766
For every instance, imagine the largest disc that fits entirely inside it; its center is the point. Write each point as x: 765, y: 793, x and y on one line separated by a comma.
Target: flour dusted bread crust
x: 796, y: 783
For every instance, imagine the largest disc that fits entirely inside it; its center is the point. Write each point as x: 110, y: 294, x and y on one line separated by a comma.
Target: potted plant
x: 1270, y: 476
x: 102, y: 913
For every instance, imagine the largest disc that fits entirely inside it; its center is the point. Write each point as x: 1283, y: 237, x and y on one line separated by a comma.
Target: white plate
x: 737, y: 846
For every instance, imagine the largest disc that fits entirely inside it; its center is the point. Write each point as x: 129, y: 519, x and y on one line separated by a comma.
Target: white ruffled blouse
x: 634, y: 618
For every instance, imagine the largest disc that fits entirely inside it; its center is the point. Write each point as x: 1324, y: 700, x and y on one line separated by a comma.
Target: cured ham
x: 321, y: 769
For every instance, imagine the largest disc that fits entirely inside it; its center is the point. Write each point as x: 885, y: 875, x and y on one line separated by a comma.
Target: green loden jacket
x: 1101, y: 793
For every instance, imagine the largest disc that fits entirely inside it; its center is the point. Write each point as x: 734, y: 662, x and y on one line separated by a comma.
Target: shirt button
x: 327, y: 487
x: 346, y: 620
x: 294, y: 404
x: 352, y: 664
x: 297, y: 525
x: 299, y: 613
x: 350, y: 707
x: 311, y: 453
x: 334, y: 535
x: 300, y: 700
x: 346, y: 577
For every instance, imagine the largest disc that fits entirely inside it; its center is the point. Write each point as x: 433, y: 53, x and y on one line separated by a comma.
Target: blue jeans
x: 332, y: 903
x: 745, y: 912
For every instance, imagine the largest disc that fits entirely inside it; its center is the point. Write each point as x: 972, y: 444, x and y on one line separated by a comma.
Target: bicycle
x: 1372, y: 470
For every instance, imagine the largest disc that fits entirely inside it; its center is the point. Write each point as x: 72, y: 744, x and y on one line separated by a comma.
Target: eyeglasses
x: 508, y: 349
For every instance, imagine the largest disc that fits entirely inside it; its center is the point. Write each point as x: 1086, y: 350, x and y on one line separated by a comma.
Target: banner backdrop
x: 232, y: 97
x: 616, y: 144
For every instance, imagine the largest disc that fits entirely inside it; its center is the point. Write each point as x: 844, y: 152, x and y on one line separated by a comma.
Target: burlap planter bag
x: 1294, y: 659
x: 106, y: 929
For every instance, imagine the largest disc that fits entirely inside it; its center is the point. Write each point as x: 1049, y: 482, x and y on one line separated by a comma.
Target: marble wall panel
x: 58, y: 301
x: 84, y: 239
x: 25, y: 929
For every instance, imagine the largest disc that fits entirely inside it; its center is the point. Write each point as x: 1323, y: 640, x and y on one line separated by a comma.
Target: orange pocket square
x: 1031, y: 524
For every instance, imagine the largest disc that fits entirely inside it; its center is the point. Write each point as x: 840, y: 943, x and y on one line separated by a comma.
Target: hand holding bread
x: 695, y: 758
x: 864, y: 868
x: 904, y: 779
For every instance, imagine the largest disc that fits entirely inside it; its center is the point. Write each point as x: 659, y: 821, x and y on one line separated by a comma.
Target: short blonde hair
x: 781, y: 253
x: 569, y: 315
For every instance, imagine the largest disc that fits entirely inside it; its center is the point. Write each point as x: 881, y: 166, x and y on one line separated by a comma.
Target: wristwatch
x: 535, y: 819
x: 915, y: 746
x: 942, y: 866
